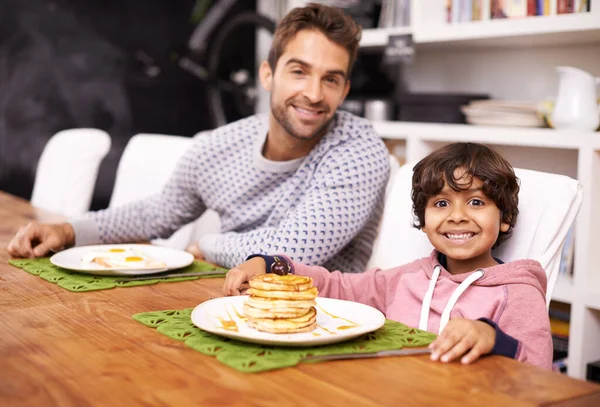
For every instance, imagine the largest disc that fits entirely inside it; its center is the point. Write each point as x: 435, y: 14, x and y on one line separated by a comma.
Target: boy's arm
x: 525, y: 319
x: 521, y: 331
x: 375, y: 287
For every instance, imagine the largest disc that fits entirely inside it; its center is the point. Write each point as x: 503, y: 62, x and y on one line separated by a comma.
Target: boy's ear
x: 504, y: 227
x: 266, y: 76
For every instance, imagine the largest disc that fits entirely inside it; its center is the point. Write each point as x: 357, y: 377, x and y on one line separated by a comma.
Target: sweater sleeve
x: 525, y: 318
x: 157, y: 216
x: 374, y: 287
x: 345, y: 191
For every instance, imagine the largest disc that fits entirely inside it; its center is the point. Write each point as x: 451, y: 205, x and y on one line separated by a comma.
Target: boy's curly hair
x: 499, y: 181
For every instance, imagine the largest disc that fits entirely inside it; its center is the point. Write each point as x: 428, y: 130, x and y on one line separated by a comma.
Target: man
x: 304, y: 180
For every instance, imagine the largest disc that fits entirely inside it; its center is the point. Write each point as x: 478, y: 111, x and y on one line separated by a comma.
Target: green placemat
x: 79, y: 282
x: 248, y: 357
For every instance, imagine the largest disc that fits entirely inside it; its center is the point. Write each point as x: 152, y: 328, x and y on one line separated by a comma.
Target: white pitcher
x: 576, y: 106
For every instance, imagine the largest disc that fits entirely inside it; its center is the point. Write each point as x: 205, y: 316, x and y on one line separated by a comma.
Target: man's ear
x: 504, y: 227
x: 266, y: 76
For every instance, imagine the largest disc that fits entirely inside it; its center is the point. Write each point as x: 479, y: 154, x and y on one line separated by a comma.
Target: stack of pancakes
x: 281, y: 304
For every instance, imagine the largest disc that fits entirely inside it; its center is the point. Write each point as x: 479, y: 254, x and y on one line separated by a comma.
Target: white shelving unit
x: 592, y: 298
x: 563, y: 289
x: 430, y: 31
x: 378, y: 37
x: 513, y: 59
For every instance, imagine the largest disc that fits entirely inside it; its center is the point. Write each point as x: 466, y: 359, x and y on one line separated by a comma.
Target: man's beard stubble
x: 280, y: 114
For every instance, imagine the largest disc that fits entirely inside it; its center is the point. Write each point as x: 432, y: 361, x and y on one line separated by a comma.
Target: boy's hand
x: 242, y: 274
x: 194, y: 249
x: 463, y: 337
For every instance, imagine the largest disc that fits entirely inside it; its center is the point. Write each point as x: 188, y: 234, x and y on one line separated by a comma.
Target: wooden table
x: 59, y: 348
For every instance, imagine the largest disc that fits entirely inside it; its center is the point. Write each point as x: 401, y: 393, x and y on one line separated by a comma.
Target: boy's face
x: 464, y: 225
x: 308, y: 84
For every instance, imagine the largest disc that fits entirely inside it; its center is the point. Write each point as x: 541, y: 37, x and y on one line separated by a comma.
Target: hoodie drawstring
x: 451, y: 302
x: 427, y: 300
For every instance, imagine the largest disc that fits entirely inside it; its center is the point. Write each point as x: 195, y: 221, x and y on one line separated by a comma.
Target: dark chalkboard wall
x: 72, y: 63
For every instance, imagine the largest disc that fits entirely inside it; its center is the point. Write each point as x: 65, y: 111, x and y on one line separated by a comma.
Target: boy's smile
x: 464, y: 225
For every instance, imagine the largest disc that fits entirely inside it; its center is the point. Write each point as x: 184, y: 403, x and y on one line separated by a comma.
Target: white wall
x: 521, y: 74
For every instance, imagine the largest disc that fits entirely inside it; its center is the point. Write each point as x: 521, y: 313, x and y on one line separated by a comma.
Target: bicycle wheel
x: 243, y: 90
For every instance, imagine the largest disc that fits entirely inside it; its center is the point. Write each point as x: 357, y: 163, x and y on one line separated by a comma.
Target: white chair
x: 394, y: 168
x: 548, y: 205
x: 67, y: 170
x: 145, y: 166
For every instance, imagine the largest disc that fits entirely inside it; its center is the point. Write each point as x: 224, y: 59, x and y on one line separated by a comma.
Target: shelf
x: 577, y: 28
x: 592, y: 299
x: 378, y: 37
x: 563, y: 289
x: 512, y: 136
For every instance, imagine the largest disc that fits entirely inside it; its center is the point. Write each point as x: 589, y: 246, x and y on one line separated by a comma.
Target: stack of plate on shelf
x: 503, y: 113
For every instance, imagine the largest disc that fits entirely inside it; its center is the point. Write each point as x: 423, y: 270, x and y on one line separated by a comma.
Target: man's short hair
x: 333, y: 22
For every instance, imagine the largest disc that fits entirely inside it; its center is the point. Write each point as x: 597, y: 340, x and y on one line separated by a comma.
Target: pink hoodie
x: 512, y: 295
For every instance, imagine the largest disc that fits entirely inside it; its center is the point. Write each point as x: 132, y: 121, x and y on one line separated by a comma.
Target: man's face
x: 308, y: 85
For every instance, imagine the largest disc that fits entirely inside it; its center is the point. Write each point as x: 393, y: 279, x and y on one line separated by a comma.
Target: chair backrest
x: 67, y: 170
x: 394, y: 168
x: 145, y: 166
x: 548, y: 205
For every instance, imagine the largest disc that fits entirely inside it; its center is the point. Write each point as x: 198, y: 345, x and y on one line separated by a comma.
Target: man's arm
x: 157, y: 216
x: 346, y: 190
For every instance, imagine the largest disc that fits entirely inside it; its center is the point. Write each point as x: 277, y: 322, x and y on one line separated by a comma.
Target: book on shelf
x: 531, y: 7
x: 560, y: 316
x: 559, y: 327
x: 477, y: 10
x: 459, y: 11
x: 394, y: 13
x: 567, y: 254
x: 560, y: 365
x: 564, y: 6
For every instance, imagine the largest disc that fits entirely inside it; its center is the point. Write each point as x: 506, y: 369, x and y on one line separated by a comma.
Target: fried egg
x: 117, y: 258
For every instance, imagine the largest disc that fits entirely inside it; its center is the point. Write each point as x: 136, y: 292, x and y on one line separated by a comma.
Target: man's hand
x: 242, y: 274
x: 37, y: 240
x: 463, y: 337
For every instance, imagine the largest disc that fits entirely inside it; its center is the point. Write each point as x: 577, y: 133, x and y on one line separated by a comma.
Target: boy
x: 465, y: 198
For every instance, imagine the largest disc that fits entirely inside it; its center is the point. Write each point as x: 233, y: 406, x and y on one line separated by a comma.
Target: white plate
x: 357, y: 319
x: 71, y: 259
x: 526, y: 121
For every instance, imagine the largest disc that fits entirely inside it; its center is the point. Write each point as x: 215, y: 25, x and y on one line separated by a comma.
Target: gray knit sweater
x: 322, y: 209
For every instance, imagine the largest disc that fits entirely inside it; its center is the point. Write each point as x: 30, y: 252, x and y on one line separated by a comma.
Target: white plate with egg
x: 122, y: 259
x: 337, y: 321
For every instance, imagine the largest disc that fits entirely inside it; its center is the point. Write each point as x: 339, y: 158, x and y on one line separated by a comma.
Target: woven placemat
x: 249, y: 357
x: 79, y: 282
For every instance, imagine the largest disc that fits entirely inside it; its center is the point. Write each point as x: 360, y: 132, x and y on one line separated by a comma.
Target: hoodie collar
x: 514, y: 272
x: 442, y: 258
